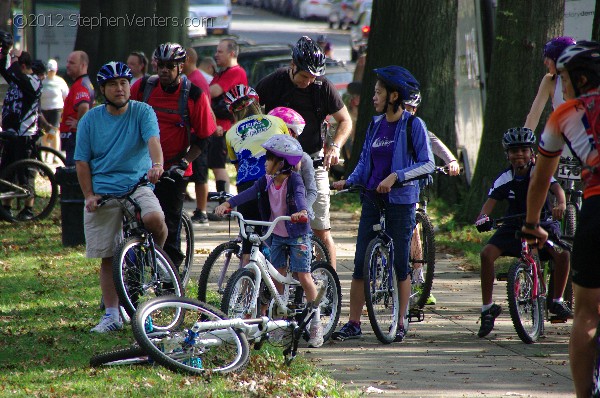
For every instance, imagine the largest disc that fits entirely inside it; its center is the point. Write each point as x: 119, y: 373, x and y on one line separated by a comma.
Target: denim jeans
x: 298, y: 249
x: 400, y: 223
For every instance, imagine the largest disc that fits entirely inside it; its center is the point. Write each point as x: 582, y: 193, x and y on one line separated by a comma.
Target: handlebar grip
x: 301, y: 220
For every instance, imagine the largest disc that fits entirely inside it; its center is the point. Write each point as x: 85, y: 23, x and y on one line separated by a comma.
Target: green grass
x: 49, y: 299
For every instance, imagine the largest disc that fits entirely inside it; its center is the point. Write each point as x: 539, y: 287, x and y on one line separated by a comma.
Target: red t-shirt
x: 173, y: 134
x: 199, y: 80
x: 227, y: 79
x: 81, y: 91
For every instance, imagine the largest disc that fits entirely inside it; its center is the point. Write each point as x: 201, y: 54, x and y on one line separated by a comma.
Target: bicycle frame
x: 536, y: 270
x: 263, y: 269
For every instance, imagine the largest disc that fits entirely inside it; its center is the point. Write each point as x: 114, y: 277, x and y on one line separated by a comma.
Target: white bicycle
x: 253, y: 287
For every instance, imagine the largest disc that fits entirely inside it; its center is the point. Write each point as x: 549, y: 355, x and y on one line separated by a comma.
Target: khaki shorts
x: 103, y: 226
x: 321, y: 205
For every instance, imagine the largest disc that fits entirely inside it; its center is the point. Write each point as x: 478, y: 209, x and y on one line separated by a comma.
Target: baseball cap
x: 52, y: 65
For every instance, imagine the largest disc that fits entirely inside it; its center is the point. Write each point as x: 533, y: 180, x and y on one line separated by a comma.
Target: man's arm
x: 84, y: 176
x: 536, y: 195
x: 537, y: 107
x: 561, y: 201
x: 157, y: 159
x: 332, y: 155
x: 216, y: 90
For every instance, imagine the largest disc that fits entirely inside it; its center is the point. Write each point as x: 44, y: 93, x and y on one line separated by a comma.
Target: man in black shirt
x: 303, y: 88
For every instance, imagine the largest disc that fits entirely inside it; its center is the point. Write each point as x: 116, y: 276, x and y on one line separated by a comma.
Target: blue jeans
x: 400, y: 223
x: 299, y: 251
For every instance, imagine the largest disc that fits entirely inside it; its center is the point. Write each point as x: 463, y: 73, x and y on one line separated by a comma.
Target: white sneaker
x: 316, y: 336
x: 108, y: 323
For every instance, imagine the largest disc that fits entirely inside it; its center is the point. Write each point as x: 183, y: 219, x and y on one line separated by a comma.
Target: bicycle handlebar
x: 398, y: 184
x: 220, y: 197
x: 270, y: 224
x: 143, y: 181
x: 550, y: 243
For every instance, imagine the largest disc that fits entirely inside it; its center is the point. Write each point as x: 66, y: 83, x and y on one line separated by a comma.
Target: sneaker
x: 487, y: 320
x: 347, y: 332
x: 199, y: 217
x: 316, y: 336
x: 108, y: 323
x: 560, y: 310
x: 214, y: 217
x: 431, y: 300
x: 400, y: 334
x: 25, y: 214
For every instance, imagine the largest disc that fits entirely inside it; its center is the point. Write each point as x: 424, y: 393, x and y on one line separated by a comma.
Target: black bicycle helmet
x: 581, y: 59
x: 400, y: 79
x: 170, y: 52
x: 6, y: 41
x: 518, y: 137
x: 308, y: 56
x: 113, y: 70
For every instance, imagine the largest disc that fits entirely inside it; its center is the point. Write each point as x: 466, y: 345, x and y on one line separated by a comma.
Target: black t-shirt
x: 314, y: 103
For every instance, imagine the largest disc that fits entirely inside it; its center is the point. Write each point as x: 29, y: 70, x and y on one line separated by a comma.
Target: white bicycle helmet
x: 286, y: 147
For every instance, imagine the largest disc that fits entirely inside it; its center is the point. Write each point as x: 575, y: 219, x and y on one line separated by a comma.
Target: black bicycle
x: 141, y: 269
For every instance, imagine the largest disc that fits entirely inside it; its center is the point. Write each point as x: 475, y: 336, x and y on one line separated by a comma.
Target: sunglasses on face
x: 168, y: 65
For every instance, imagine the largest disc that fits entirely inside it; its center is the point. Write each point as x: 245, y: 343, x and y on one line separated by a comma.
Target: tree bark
x: 522, y: 29
x: 409, y: 34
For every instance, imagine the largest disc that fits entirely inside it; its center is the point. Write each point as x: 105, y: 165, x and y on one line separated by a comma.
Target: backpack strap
x: 409, y: 141
x: 149, y: 83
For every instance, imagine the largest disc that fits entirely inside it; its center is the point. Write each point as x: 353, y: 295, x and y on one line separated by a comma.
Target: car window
x: 207, y: 2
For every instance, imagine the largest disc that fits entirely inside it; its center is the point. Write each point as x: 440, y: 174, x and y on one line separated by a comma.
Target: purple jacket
x: 296, y: 201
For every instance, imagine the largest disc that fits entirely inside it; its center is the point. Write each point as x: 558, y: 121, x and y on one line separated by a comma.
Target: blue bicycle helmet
x: 400, y: 79
x: 113, y: 70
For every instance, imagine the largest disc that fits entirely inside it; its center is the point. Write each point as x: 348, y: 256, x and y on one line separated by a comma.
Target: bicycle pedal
x: 554, y: 319
x: 416, y: 315
x: 502, y: 276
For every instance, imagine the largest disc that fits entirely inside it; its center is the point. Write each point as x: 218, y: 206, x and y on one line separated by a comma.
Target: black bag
x: 220, y: 108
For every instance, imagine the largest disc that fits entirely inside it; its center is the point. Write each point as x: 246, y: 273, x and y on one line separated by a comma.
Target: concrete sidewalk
x: 442, y: 356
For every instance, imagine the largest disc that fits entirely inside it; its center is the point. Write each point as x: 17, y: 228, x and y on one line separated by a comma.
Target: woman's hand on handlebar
x: 221, y: 209
x: 453, y: 168
x: 155, y: 173
x: 301, y: 216
x: 337, y: 185
x: 540, y: 234
x: 385, y: 186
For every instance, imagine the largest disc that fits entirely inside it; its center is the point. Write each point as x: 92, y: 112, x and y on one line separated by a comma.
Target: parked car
x: 314, y: 9
x: 341, y: 14
x: 219, y: 12
x: 197, y: 28
x: 359, y: 34
x: 207, y: 46
x: 250, y: 56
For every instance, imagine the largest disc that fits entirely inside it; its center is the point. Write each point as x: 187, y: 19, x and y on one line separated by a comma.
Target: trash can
x: 71, y: 206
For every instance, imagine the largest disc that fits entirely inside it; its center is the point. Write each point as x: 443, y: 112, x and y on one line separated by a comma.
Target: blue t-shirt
x: 382, y: 151
x: 116, y: 147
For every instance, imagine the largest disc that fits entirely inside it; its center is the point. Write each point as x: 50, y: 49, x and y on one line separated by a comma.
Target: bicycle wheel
x: 422, y: 261
x: 187, y: 248
x: 570, y: 221
x: 222, y: 262
x: 187, y: 348
x: 138, y: 279
x: 319, y: 250
x: 331, y: 304
x: 44, y: 153
x: 526, y: 312
x: 381, y: 291
x: 25, y: 181
x: 133, y: 355
x: 237, y: 299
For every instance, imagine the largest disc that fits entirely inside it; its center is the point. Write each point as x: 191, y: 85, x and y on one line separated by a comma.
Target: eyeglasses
x: 168, y: 65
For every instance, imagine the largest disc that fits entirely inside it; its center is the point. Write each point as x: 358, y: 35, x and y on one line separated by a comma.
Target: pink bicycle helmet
x: 290, y: 117
x: 284, y: 146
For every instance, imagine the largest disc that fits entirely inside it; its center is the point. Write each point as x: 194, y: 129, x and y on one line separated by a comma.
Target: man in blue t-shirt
x: 116, y: 144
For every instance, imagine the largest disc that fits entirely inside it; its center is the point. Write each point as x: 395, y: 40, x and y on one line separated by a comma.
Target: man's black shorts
x: 217, y: 152
x: 584, y: 258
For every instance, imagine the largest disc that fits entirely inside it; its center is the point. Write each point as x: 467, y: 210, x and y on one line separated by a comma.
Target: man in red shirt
x: 230, y: 74
x: 176, y: 131
x: 79, y: 100
x: 200, y: 165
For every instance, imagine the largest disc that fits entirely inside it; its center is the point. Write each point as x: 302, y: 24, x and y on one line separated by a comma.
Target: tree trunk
x: 522, y: 29
x: 428, y: 54
x: 140, y: 25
